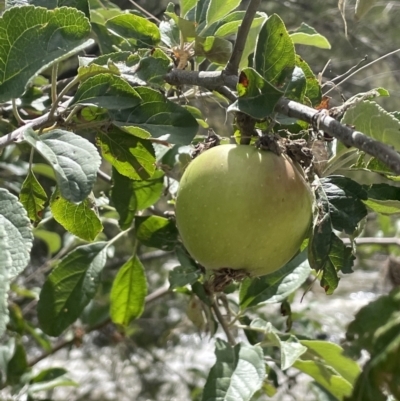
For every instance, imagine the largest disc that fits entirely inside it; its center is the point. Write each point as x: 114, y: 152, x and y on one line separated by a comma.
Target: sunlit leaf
x: 237, y: 374
x: 32, y: 39
x: 33, y: 197
x: 217, y: 9
x: 74, y: 159
x: 307, y: 35
x: 81, y: 220
x: 128, y: 292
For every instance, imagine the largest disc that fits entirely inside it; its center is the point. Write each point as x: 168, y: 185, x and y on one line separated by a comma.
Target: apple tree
x: 90, y: 170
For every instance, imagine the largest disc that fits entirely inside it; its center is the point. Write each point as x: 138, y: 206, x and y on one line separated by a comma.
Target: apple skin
x: 239, y: 207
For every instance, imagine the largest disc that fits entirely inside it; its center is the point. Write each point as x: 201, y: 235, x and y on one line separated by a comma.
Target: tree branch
x: 232, y: 67
x: 373, y: 241
x: 223, y: 323
x: 290, y: 108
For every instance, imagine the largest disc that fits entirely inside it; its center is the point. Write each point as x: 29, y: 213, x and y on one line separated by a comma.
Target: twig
x: 290, y: 108
x: 234, y: 61
x: 150, y: 15
x: 373, y: 241
x: 105, y: 177
x: 78, y: 337
x: 223, y: 322
x: 345, y: 134
x: 363, y: 67
x: 207, y: 79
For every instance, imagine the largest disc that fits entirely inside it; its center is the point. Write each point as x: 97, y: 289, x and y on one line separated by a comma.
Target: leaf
x: 33, y: 197
x: 291, y: 349
x: 326, y: 377
x: 81, y: 220
x: 277, y: 286
x: 130, y: 196
x: 70, y: 287
x: 372, y: 120
x: 215, y: 49
x: 108, y: 91
x: 186, y: 5
x: 217, y: 9
x: 130, y: 155
x: 326, y: 251
x: 50, y: 238
x: 274, y: 57
x: 48, y: 379
x: 81, y: 5
x: 362, y: 7
x: 346, y: 202
x: 313, y: 91
x: 137, y: 31
x: 237, y: 374
x: 376, y: 329
x: 297, y: 85
x: 74, y: 159
x: 187, y: 273
x: 333, y: 355
x: 128, y: 292
x: 257, y: 97
x: 307, y: 35
x: 32, y: 39
x: 160, y: 117
x: 383, y: 198
x: 5, y: 265
x: 17, y: 365
x: 18, y: 231
x: 156, y: 232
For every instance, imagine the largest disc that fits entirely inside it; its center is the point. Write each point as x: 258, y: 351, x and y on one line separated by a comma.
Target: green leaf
x: 18, y: 231
x: 70, y: 287
x: 139, y: 32
x: 345, y: 197
x: 52, y: 239
x: 128, y: 292
x: 81, y: 220
x: 217, y: 9
x: 74, y: 159
x: 297, y: 85
x: 156, y: 232
x: 186, y: 5
x: 257, y: 97
x: 187, y: 273
x: 130, y: 196
x: 307, y: 35
x: 130, y: 155
x: 333, y: 355
x: 33, y: 197
x: 215, y: 49
x: 277, y: 286
x: 376, y: 329
x: 108, y: 91
x: 313, y: 91
x: 5, y: 265
x: 150, y: 70
x: 383, y: 198
x: 17, y: 365
x: 372, y: 120
x: 274, y: 57
x: 237, y: 374
x: 32, y: 39
x: 48, y: 379
x: 326, y: 251
x: 81, y: 5
x: 326, y: 376
x: 160, y: 117
x: 291, y: 349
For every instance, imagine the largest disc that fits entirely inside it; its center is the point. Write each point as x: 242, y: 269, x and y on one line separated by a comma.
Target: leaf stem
x: 54, y: 74
x: 222, y: 322
x: 16, y: 114
x: 59, y: 98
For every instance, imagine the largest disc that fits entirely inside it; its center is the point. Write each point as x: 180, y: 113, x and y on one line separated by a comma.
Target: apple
x: 242, y: 208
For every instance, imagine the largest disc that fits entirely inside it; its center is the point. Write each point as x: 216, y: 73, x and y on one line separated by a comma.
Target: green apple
x: 242, y: 208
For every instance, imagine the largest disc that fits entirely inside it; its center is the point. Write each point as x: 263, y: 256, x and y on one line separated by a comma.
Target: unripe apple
x: 239, y: 207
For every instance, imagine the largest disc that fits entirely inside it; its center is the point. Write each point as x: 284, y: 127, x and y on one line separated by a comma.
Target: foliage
x: 95, y: 162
